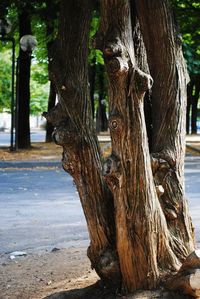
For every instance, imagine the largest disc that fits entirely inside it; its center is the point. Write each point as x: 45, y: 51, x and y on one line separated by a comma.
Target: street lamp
x: 4, y: 30
x: 27, y: 44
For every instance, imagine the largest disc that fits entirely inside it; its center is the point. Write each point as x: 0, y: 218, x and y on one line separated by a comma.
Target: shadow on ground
x: 97, y: 291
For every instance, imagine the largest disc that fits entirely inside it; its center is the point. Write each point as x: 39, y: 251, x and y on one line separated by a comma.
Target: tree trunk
x: 92, y: 78
x: 50, y: 17
x: 168, y: 113
x: 144, y: 244
x: 74, y: 130
x: 51, y: 105
x: 195, y: 99
x: 101, y: 118
x: 139, y: 236
x: 23, y: 93
x: 189, y: 105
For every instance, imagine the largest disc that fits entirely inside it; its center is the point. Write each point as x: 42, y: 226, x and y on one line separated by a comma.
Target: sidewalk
x: 193, y: 143
x: 49, y: 154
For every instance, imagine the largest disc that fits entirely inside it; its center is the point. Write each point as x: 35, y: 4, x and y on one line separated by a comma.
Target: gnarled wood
x: 168, y: 70
x: 143, y: 240
x: 140, y: 230
x: 188, y: 277
x: 74, y: 131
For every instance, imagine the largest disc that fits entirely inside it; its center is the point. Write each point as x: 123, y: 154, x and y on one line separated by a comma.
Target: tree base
x: 98, y: 291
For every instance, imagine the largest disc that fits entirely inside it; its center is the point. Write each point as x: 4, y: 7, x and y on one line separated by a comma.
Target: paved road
x: 40, y: 209
x: 192, y: 187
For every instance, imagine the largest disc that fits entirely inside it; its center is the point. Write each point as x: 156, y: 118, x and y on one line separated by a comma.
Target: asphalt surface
x: 40, y: 210
x: 40, y: 207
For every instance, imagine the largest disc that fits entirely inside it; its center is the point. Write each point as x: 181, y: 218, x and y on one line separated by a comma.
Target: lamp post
x: 4, y: 30
x: 27, y: 44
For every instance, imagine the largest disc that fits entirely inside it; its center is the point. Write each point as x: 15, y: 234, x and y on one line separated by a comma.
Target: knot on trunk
x: 111, y: 171
x: 141, y: 81
x: 113, y: 48
x: 116, y: 57
x: 117, y: 66
x: 65, y: 134
x: 116, y: 123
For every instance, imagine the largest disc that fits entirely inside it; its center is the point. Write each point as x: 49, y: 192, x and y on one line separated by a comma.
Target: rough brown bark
x: 138, y: 235
x: 168, y: 70
x: 143, y: 240
x: 74, y: 131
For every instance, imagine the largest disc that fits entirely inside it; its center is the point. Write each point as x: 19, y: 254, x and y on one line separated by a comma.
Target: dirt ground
x: 38, y: 151
x: 37, y: 275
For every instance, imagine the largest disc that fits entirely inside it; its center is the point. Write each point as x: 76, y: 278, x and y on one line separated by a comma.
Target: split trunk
x: 134, y: 202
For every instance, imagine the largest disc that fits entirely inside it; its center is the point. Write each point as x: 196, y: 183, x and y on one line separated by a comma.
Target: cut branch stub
x: 112, y: 48
x: 141, y: 81
x: 65, y: 133
x: 116, y: 58
x: 188, y: 277
x: 55, y: 115
x: 117, y: 65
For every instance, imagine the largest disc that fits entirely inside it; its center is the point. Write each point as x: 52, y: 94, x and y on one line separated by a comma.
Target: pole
x: 12, y: 148
x: 17, y: 107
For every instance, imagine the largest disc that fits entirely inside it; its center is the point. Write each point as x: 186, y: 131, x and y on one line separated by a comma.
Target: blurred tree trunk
x: 23, y: 84
x: 195, y: 99
x: 101, y: 118
x: 49, y: 18
x: 92, y: 79
x: 51, y: 105
x: 190, y: 87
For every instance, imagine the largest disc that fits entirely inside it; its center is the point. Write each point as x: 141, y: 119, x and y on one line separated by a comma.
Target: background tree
x: 134, y: 202
x: 190, y: 10
x: 23, y: 82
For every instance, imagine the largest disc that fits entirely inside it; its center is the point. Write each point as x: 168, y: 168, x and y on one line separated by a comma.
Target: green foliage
x: 193, y: 61
x: 5, y: 78
x: 187, y: 13
x: 95, y: 55
x: 39, y: 88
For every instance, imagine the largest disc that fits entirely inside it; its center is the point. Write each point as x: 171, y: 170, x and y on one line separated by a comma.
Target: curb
x: 195, y: 149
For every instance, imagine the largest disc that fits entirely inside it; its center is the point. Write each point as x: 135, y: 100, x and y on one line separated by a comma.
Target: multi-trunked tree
x: 134, y: 200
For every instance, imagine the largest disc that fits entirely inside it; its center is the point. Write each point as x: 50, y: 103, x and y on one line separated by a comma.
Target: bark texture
x: 144, y: 244
x: 74, y: 131
x: 139, y: 227
x: 168, y: 70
